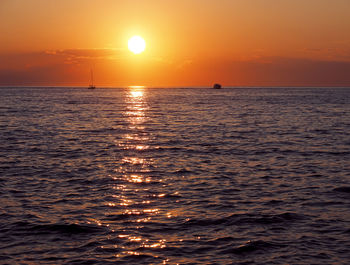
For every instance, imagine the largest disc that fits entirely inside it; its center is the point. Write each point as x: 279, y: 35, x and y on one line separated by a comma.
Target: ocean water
x: 175, y: 176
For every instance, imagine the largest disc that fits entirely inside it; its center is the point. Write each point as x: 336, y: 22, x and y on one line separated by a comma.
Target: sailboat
x: 91, y: 86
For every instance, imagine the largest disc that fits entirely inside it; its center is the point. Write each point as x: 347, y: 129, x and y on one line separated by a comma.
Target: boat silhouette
x: 91, y: 86
x: 217, y: 86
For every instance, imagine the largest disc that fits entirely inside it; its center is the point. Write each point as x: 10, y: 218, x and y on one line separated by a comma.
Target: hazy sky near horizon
x: 189, y: 42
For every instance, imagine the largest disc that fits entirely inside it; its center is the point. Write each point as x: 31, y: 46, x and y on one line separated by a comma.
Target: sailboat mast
x: 91, y: 85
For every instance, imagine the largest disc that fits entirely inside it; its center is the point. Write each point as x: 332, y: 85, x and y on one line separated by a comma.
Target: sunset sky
x: 188, y: 42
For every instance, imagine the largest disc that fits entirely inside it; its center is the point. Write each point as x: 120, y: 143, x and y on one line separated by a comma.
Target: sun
x: 136, y: 44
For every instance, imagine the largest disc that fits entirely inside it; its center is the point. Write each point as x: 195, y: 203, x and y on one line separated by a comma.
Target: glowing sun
x: 136, y: 44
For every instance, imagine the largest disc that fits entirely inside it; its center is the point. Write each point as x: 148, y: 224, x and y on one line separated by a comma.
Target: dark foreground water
x: 167, y: 176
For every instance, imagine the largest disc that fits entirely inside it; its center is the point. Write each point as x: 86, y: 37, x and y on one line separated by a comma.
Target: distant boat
x: 91, y: 86
x: 217, y: 86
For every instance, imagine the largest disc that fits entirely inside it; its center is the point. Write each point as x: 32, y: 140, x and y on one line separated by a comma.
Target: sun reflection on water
x: 137, y: 179
x: 136, y: 93
x: 133, y: 198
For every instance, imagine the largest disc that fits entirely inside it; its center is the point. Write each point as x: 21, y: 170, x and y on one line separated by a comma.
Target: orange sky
x: 189, y: 42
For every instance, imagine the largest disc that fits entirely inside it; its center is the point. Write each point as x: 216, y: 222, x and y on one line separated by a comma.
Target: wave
x: 138, y: 258
x: 252, y: 246
x: 242, y: 219
x: 56, y: 228
x: 342, y: 189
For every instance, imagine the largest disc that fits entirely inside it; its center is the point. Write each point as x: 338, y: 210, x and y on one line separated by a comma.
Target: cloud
x: 77, y: 56
x: 86, y: 53
x: 55, y: 57
x: 54, y: 66
x: 68, y: 66
x: 72, y: 66
x: 185, y: 63
x: 271, y: 71
x: 330, y: 53
x: 54, y: 74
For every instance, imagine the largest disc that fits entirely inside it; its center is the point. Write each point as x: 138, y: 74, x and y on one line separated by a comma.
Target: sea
x: 141, y: 175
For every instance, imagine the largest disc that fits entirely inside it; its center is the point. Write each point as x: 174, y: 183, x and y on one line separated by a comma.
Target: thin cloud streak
x: 71, y: 66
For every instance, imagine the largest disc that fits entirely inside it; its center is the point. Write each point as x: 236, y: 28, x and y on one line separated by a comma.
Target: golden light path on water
x: 132, y: 177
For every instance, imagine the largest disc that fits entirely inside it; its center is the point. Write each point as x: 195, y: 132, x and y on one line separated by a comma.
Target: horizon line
x: 162, y: 87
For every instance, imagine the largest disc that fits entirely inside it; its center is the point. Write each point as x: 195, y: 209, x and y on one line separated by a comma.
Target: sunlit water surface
x: 175, y: 176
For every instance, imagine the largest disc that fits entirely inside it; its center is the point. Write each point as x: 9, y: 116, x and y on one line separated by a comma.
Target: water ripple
x: 174, y: 176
